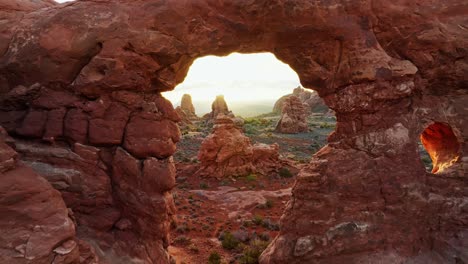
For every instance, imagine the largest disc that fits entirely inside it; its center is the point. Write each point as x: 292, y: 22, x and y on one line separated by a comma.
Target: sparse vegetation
x: 257, y: 219
x: 204, y: 185
x: 251, y: 177
x: 252, y: 252
x: 285, y: 173
x: 183, y: 240
x: 214, y: 258
x: 229, y: 241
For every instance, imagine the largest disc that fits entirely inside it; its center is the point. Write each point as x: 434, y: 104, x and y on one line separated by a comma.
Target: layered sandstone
x: 388, y: 69
x: 293, y: 117
x: 227, y: 152
x: 35, y: 224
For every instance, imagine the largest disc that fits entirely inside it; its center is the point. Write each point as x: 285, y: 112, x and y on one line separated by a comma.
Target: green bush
x: 252, y: 252
x: 251, y: 177
x: 214, y: 258
x: 285, y: 173
x: 258, y: 219
x: 203, y: 185
x: 229, y: 241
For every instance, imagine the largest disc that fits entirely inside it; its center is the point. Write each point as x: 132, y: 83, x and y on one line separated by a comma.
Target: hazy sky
x: 247, y: 78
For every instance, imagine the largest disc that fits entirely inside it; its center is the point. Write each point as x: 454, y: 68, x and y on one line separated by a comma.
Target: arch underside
x: 88, y: 75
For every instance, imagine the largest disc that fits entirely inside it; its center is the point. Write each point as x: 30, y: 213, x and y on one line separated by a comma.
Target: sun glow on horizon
x: 241, y: 78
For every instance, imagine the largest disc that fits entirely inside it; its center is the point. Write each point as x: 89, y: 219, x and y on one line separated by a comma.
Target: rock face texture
x: 293, y: 117
x: 87, y: 77
x: 312, y: 102
x: 227, y: 152
x: 35, y: 225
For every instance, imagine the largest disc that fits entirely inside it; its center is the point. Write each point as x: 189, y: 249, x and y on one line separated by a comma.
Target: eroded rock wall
x: 86, y: 78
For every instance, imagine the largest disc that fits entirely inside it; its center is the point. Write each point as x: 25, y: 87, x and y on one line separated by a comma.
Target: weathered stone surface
x: 33, y: 124
x: 35, y: 225
x: 226, y: 152
x: 293, y: 117
x: 76, y: 125
x: 54, y: 124
x: 388, y: 70
x: 140, y: 189
x: 8, y: 155
x: 109, y: 129
x: 146, y: 137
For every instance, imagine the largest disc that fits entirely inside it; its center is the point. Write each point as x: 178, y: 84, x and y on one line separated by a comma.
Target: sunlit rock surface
x: 227, y: 152
x: 293, y: 117
x: 91, y: 73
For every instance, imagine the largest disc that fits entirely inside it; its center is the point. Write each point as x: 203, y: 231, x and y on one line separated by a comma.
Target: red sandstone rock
x: 35, y: 225
x: 442, y: 145
x: 386, y: 68
x: 148, y: 137
x: 109, y: 129
x: 33, y: 124
x: 54, y: 124
x: 228, y: 152
x: 293, y: 117
x: 142, y: 192
x: 219, y: 106
x: 8, y: 155
x: 76, y: 125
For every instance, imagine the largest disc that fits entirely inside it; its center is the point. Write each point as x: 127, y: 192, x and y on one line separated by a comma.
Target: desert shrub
x: 229, y: 241
x: 252, y: 252
x: 193, y: 248
x: 182, y: 240
x: 214, y: 258
x: 285, y: 173
x: 251, y: 177
x: 203, y: 185
x: 182, y: 229
x: 258, y: 219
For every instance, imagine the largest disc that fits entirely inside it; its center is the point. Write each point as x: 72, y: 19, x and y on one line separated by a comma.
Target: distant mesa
x: 293, y: 116
x: 313, y: 103
x: 228, y: 152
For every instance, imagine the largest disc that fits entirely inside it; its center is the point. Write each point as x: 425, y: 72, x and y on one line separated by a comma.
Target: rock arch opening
x: 442, y: 145
x: 247, y: 126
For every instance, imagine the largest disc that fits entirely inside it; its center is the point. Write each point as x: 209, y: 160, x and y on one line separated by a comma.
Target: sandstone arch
x: 92, y: 69
x: 442, y: 145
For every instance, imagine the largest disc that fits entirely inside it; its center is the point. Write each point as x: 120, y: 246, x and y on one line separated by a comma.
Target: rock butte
x: 311, y: 101
x: 227, y: 152
x: 186, y: 110
x: 293, y: 116
x: 87, y: 76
